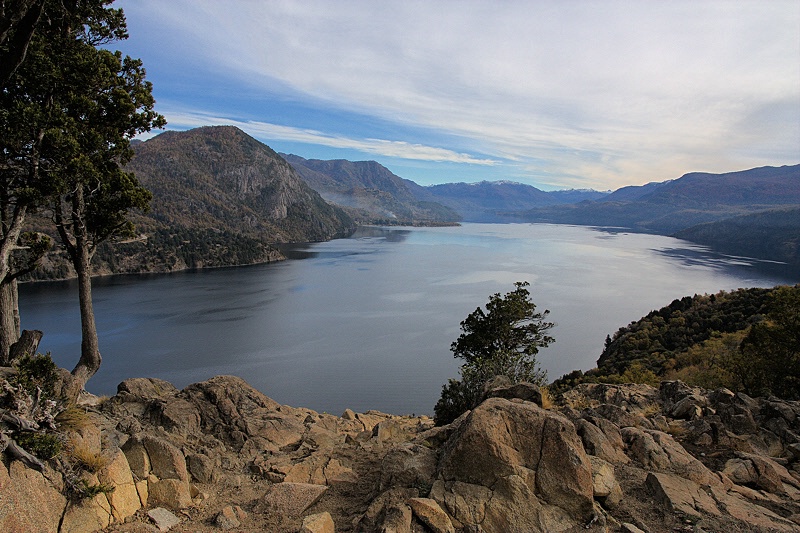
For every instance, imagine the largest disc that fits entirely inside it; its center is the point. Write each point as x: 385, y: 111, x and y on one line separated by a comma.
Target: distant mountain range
x: 751, y: 212
x: 220, y: 197
x: 376, y: 195
x: 370, y: 192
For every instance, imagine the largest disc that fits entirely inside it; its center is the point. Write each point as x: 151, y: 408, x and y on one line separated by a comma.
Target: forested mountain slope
x: 220, y: 197
x: 745, y: 340
x: 772, y: 234
x: 692, y: 199
x: 370, y: 191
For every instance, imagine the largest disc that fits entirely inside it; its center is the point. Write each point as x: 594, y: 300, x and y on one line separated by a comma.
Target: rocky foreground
x: 221, y: 456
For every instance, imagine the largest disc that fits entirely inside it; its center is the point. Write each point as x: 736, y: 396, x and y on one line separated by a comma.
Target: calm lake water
x: 366, y: 322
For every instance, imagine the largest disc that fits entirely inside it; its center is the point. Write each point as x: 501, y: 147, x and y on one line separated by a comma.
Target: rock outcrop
x: 221, y: 456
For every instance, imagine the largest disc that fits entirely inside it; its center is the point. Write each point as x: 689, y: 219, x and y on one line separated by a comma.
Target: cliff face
x: 219, y: 455
x: 220, y: 177
x: 220, y: 198
x: 371, y: 191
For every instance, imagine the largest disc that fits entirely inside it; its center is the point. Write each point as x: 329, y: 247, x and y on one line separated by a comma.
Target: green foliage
x: 42, y: 445
x: 458, y: 396
x: 85, y: 490
x: 637, y: 373
x: 746, y: 340
x: 503, y: 340
x: 659, y: 337
x: 768, y: 360
x: 38, y: 371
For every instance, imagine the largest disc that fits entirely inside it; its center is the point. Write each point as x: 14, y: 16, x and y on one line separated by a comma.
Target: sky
x: 554, y: 94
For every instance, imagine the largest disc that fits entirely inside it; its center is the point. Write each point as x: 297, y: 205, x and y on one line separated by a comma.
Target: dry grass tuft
x: 547, y: 400
x: 86, y: 457
x: 73, y: 419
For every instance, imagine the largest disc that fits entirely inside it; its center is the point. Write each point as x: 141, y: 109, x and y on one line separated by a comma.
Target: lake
x: 366, y: 322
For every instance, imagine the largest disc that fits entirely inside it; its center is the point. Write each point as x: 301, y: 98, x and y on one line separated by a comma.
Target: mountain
x: 675, y: 205
x: 374, y: 194
x: 370, y: 191
x: 772, y: 234
x: 219, y: 177
x: 220, y: 197
x: 489, y: 201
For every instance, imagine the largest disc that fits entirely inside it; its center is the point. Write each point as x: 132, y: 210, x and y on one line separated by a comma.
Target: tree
x: 110, y: 103
x: 32, y: 94
x: 18, y: 21
x: 501, y: 341
x: 768, y: 359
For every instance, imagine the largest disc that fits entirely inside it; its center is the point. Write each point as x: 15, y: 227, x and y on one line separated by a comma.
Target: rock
x: 227, y: 519
x: 163, y: 519
x: 87, y: 436
x: 766, y: 474
x: 519, y: 450
x: 86, y: 516
x: 28, y: 502
x: 757, y: 517
x: 166, y: 461
x: 628, y: 397
x: 143, y: 389
x: 178, y: 415
x: 596, y: 443
x: 172, y: 493
x: 604, y: 483
x: 349, y: 414
x: 291, y: 499
x: 227, y: 404
x: 136, y: 454
x: 681, y: 495
x: 523, y: 391
x: 408, y: 465
x: 201, y: 467
x: 388, y: 513
x: 621, y: 417
x: 124, y: 499
x: 429, y: 512
x: 656, y: 450
x: 393, y: 431
x: 689, y: 407
x: 397, y: 519
x: 630, y: 528
x: 144, y: 493
x: 318, y: 523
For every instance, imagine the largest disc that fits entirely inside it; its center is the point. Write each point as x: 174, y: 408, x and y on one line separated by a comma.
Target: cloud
x: 382, y: 147
x: 609, y: 93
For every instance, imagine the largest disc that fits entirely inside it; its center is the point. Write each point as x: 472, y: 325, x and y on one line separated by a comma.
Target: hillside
x: 772, y: 234
x: 746, y: 340
x: 675, y: 205
x: 370, y: 191
x: 491, y: 201
x: 220, y: 198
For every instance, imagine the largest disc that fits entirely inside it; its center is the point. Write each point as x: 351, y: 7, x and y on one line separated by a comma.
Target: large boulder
x: 659, y: 452
x: 530, y: 460
x: 124, y: 499
x: 28, y: 502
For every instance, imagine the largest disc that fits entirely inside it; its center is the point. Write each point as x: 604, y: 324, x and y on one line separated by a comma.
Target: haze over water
x: 366, y: 322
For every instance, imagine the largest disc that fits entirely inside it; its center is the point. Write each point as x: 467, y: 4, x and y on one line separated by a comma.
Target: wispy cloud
x: 595, y: 93
x: 381, y: 147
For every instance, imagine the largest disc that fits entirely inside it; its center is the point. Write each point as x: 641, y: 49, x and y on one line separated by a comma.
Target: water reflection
x: 366, y: 322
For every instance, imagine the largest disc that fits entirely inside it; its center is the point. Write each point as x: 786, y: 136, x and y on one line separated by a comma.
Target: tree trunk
x: 9, y: 319
x: 81, y: 254
x: 27, y: 344
x: 9, y: 304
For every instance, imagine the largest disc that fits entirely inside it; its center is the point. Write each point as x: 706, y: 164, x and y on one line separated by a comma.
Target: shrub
x: 501, y: 341
x: 42, y: 445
